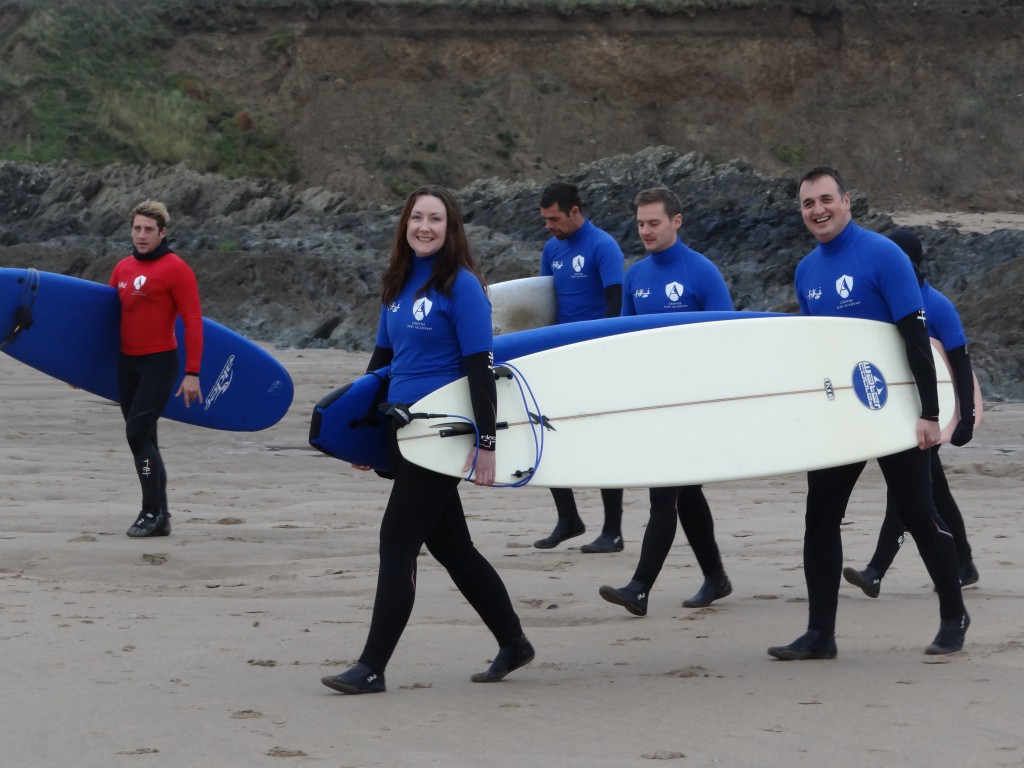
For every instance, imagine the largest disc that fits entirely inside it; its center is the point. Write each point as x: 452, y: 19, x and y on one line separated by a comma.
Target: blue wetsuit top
x: 677, y: 279
x: 943, y: 319
x: 583, y: 265
x: 858, y: 274
x: 430, y: 334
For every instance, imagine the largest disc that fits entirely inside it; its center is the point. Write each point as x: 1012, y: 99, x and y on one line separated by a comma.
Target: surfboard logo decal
x: 869, y: 385
x: 674, y: 291
x: 220, y: 386
x: 830, y: 391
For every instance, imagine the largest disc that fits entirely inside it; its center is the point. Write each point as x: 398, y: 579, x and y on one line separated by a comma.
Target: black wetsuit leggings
x: 144, y: 385
x: 908, y: 478
x: 611, y: 498
x: 689, y: 504
x: 424, y: 508
x: 890, y: 537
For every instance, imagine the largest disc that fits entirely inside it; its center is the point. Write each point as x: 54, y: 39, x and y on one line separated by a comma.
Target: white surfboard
x: 691, y: 404
x: 518, y: 305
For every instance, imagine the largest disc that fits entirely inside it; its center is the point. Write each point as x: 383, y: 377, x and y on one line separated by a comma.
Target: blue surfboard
x: 68, y: 328
x: 345, y: 423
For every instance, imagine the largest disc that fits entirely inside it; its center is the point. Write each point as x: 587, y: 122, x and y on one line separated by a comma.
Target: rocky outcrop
x: 302, y: 268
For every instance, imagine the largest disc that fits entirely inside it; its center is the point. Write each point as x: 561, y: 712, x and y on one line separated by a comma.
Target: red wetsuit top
x: 153, y: 292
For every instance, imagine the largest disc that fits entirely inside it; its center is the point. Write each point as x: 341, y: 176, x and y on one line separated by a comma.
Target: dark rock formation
x: 302, y: 268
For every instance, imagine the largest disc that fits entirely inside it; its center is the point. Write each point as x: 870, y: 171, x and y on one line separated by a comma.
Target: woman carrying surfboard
x: 154, y: 286
x: 435, y: 328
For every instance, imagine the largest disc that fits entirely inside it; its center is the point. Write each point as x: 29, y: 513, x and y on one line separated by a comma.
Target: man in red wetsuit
x: 154, y: 286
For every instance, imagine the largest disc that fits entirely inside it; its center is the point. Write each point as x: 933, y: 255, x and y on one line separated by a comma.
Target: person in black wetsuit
x: 154, y: 285
x: 586, y: 265
x: 435, y: 328
x: 672, y: 278
x: 943, y: 325
x: 857, y: 273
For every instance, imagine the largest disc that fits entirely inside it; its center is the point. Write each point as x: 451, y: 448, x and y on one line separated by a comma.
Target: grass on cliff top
x: 97, y: 93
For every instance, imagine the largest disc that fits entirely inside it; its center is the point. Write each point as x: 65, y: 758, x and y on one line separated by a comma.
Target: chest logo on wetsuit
x: 139, y: 282
x: 421, y: 308
x: 578, y: 262
x: 220, y: 386
x: 674, y: 291
x: 869, y: 386
x: 844, y: 286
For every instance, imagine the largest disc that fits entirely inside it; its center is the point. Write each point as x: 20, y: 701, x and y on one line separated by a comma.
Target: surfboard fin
x: 23, y: 313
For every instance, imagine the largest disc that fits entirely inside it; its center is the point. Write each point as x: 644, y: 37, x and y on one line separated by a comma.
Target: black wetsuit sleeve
x: 379, y: 359
x: 483, y: 395
x: 613, y: 300
x: 963, y: 380
x: 919, y: 355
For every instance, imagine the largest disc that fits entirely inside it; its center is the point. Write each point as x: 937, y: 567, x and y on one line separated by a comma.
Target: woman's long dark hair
x: 455, y: 252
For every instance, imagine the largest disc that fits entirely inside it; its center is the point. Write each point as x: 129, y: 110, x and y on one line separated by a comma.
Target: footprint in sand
x: 282, y: 752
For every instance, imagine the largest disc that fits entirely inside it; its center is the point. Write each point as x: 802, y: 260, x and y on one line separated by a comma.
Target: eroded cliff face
x: 918, y: 109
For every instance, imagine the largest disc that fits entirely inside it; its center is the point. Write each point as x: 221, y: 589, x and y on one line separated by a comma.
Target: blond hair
x: 152, y: 209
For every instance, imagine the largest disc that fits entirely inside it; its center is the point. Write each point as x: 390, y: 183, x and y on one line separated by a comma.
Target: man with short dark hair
x: 672, y: 278
x: 857, y: 273
x: 587, y: 265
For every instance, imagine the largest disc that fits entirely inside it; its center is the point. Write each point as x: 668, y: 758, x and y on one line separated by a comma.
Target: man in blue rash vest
x: 587, y: 265
x: 857, y: 273
x: 945, y: 326
x: 672, y: 278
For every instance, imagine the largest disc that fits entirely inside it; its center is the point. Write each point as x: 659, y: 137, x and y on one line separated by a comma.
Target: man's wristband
x: 190, y: 373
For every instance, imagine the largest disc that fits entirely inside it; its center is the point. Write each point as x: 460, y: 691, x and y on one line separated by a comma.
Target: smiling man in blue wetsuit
x: 672, y: 278
x: 857, y: 273
x: 587, y: 266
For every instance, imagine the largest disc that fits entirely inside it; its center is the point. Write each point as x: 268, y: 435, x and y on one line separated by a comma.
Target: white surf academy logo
x: 220, y: 386
x: 674, y: 291
x: 844, y: 286
x: 421, y: 308
x: 139, y: 282
x: 578, y: 262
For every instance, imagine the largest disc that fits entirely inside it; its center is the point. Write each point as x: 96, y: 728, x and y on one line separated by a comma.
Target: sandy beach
x: 206, y: 648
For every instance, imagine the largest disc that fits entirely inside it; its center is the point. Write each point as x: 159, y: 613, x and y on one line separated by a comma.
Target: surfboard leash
x: 23, y: 312
x: 539, y: 423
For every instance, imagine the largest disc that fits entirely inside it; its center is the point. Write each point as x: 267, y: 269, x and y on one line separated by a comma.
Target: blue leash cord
x: 535, y: 419
x: 537, y: 425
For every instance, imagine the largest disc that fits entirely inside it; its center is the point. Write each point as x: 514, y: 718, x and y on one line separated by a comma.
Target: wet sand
x: 206, y: 648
